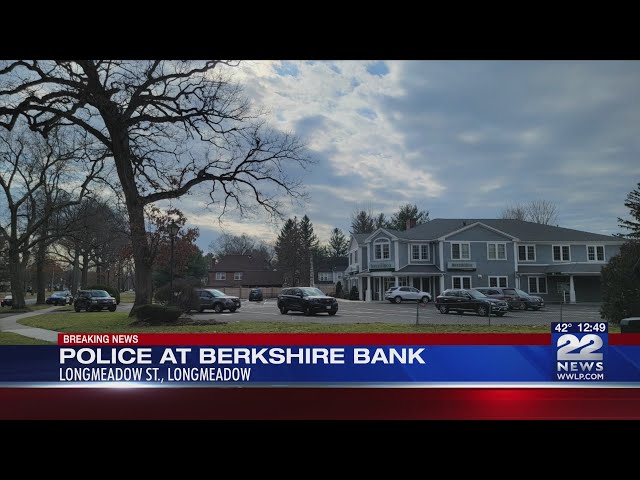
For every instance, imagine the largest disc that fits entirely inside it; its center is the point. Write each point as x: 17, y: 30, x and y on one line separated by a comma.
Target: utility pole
x: 311, y: 275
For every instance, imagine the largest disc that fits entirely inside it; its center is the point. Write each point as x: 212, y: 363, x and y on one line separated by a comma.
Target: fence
x: 267, y: 292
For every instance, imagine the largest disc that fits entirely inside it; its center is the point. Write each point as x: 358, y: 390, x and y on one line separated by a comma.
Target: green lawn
x: 127, y: 297
x: 117, y: 322
x: 8, y: 338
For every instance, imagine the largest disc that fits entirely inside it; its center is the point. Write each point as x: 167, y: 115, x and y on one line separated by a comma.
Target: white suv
x: 402, y: 294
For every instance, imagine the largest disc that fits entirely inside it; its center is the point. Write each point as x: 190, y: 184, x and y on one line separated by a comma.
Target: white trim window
x: 526, y: 253
x: 595, y: 253
x: 537, y: 284
x: 381, y: 249
x: 500, y: 282
x: 496, y: 251
x: 324, y: 277
x: 561, y: 253
x: 460, y: 251
x: 221, y: 275
x: 237, y: 275
x: 463, y: 281
x: 419, y: 251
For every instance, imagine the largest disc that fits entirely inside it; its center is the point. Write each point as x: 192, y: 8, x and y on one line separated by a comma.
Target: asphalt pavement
x: 350, y: 312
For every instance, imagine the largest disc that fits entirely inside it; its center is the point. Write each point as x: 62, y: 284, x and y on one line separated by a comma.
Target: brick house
x: 243, y: 271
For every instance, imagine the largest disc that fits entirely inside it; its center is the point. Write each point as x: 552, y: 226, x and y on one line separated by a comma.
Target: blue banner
x: 291, y: 365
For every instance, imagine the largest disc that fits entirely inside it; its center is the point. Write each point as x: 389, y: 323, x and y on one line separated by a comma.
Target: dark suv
x: 94, y: 300
x: 255, y: 295
x: 309, y: 300
x: 470, y: 300
x: 212, y: 299
x: 516, y: 298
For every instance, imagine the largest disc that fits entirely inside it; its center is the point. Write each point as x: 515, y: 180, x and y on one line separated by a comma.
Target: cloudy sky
x: 457, y: 138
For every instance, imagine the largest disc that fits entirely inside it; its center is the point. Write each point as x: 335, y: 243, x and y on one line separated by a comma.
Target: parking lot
x: 405, y: 313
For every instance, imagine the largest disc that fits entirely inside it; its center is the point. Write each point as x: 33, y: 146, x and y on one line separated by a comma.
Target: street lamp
x: 174, y: 228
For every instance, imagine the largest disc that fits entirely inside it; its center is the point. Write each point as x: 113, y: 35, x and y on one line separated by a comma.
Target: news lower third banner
x: 572, y: 354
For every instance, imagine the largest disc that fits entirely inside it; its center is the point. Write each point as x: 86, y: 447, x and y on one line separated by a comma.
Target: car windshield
x: 312, y: 292
x: 476, y: 294
x: 58, y: 294
x: 99, y: 293
x: 521, y: 293
x: 216, y: 293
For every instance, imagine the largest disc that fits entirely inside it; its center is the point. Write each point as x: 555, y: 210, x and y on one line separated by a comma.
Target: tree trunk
x: 85, y: 270
x: 40, y: 281
x: 141, y: 256
x: 75, y: 273
x: 135, y: 207
x: 16, y: 275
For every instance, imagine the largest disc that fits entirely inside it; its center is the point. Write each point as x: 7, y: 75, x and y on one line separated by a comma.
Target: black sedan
x: 469, y: 300
x: 59, y: 298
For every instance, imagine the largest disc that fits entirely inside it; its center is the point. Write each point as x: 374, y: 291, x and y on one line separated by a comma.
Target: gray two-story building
x: 559, y: 264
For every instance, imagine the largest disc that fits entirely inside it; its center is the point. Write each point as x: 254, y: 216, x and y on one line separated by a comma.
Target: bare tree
x: 169, y: 126
x: 542, y: 211
x: 537, y: 211
x: 515, y: 212
x: 33, y: 172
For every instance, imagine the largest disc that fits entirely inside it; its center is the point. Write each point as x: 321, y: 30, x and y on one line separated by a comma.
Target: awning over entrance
x: 419, y: 270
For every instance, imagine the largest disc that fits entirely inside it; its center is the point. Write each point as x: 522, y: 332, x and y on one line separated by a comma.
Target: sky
x: 460, y: 139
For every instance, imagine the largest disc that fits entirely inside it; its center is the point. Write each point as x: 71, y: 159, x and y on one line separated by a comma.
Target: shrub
x: 157, y: 314
x: 354, y: 294
x: 184, y: 296
x: 339, y: 289
x: 114, y: 292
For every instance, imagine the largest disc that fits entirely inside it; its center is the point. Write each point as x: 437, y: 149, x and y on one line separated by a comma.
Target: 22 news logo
x: 580, y: 356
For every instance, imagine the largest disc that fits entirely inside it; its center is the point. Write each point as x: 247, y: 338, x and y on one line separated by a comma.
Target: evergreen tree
x: 309, y: 246
x: 287, y: 249
x: 338, y: 243
x: 633, y: 204
x: 621, y: 284
x: 381, y: 221
x: 362, y: 222
x: 405, y: 212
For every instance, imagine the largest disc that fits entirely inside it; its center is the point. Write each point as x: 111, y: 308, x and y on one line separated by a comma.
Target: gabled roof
x: 360, y: 237
x: 238, y: 263
x: 525, y: 231
x: 328, y: 264
x: 388, y: 231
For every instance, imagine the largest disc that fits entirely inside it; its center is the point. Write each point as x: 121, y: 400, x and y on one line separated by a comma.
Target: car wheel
x: 232, y: 310
x: 425, y: 299
x: 482, y: 310
x: 218, y: 308
x: 398, y: 299
x: 283, y: 310
x: 443, y: 309
x: 536, y: 308
x: 307, y: 311
x: 201, y: 309
x: 522, y: 306
x: 77, y: 309
x: 112, y: 309
x: 500, y: 314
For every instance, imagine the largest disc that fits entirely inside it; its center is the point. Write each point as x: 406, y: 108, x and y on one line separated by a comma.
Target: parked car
x: 309, y: 300
x: 7, y: 301
x: 402, y: 294
x: 516, y: 298
x: 60, y: 298
x: 90, y: 300
x: 470, y: 300
x: 212, y: 299
x: 255, y: 295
